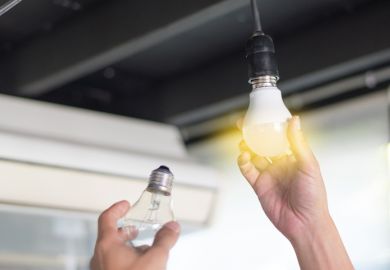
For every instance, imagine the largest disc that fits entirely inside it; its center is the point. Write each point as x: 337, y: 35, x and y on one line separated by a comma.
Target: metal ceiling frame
x: 76, y: 49
x: 8, y: 6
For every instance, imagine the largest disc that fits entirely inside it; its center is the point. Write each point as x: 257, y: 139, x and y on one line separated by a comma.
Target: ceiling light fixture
x: 265, y: 123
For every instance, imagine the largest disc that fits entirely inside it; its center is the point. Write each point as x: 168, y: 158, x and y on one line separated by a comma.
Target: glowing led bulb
x: 265, y: 123
x: 152, y: 210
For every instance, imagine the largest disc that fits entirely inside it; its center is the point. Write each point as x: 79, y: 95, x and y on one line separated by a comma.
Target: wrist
x: 319, y: 246
x: 313, y: 231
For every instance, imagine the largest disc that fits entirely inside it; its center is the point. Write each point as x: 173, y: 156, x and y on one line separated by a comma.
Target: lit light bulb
x: 152, y: 210
x: 265, y: 123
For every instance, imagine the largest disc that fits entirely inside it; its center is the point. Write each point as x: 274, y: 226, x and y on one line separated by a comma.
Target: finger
x: 247, y: 168
x: 299, y: 146
x: 278, y: 158
x: 260, y: 163
x: 291, y: 158
x: 128, y: 233
x: 243, y: 147
x: 167, y: 236
x: 239, y: 123
x: 108, y: 219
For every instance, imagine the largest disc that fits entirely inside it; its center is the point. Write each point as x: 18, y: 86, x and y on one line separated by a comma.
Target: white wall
x: 350, y: 140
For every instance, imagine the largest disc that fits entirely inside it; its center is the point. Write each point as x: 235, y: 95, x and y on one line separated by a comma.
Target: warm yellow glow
x: 267, y: 140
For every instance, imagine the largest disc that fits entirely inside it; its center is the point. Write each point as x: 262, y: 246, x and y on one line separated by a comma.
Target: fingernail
x: 298, y: 122
x: 174, y: 226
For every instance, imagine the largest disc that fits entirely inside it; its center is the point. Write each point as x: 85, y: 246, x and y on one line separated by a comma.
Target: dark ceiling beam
x: 103, y: 36
x: 348, y: 44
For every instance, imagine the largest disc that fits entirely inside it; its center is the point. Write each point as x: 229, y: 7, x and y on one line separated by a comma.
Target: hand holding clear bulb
x: 112, y: 251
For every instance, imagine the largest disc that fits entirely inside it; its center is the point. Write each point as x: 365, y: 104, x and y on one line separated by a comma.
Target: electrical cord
x: 9, y: 5
x: 260, y: 52
x: 256, y: 16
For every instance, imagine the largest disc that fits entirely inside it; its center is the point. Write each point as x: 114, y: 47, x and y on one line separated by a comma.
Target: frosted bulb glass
x: 265, y: 123
x: 152, y: 210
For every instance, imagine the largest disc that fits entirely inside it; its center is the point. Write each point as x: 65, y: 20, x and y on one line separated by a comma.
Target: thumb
x: 167, y: 237
x: 299, y: 146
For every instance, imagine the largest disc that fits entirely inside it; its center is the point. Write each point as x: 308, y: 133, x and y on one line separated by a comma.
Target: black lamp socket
x: 260, y: 54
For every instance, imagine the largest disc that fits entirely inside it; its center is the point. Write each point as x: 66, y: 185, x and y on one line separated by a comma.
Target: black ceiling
x: 159, y: 59
x: 31, y: 19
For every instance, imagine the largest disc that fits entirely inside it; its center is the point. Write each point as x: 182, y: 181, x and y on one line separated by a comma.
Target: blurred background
x: 95, y: 94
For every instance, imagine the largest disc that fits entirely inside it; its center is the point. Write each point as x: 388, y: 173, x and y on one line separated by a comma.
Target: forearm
x: 321, y: 248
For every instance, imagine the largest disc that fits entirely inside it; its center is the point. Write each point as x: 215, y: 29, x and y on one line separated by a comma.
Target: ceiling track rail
x: 369, y: 80
x: 8, y: 6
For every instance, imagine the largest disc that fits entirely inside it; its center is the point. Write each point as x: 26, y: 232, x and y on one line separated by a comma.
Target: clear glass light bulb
x: 265, y: 123
x: 152, y: 210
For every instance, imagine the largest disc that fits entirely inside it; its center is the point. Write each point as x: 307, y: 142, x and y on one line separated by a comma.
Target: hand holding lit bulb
x: 292, y: 193
x: 290, y: 188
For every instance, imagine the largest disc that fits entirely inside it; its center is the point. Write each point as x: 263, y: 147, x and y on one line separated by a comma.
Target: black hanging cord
x: 260, y: 50
x: 256, y: 16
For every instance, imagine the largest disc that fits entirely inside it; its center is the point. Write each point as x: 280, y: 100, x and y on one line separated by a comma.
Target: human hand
x: 290, y: 188
x: 113, y: 253
x: 292, y: 193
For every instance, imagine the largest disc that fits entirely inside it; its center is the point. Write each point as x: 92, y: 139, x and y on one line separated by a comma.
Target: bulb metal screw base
x: 161, y: 181
x: 263, y: 81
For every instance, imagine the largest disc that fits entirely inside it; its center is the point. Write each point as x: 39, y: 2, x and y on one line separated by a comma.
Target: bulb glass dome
x: 265, y: 123
x: 152, y: 210
x: 147, y: 216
